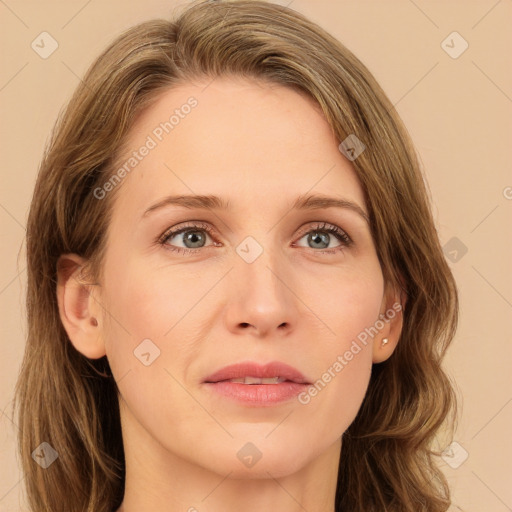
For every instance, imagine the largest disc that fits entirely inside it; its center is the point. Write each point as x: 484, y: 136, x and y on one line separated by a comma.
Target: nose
x: 261, y: 301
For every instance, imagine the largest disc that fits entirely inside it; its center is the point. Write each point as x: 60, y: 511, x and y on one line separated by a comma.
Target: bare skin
x: 259, y: 146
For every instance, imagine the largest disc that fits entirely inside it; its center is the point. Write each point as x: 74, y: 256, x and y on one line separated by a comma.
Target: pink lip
x: 251, y: 369
x: 259, y: 395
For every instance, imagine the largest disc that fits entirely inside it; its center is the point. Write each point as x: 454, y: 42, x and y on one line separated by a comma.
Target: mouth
x: 255, y: 385
x: 257, y: 380
x: 249, y: 372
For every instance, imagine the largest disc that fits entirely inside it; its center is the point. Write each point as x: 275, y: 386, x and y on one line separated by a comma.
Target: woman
x: 190, y: 346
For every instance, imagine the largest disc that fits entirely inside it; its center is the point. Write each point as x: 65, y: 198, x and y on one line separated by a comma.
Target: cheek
x: 337, y: 394
x: 146, y: 303
x: 343, y: 358
x: 142, y: 307
x: 150, y: 336
x: 131, y: 304
x: 346, y: 301
x: 151, y: 300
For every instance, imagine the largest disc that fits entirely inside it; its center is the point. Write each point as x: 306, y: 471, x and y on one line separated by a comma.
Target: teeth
x: 257, y: 380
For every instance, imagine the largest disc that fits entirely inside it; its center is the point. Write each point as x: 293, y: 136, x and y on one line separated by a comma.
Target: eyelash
x: 323, y: 227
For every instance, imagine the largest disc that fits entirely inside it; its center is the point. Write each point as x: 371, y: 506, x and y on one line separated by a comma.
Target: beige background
x: 458, y: 111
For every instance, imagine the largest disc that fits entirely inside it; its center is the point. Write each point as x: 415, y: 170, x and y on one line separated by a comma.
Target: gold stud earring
x: 384, y: 341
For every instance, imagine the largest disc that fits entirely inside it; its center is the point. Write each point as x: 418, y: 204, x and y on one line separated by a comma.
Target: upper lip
x: 253, y: 369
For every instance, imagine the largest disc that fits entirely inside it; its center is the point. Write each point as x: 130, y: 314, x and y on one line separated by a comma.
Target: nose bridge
x: 260, y: 262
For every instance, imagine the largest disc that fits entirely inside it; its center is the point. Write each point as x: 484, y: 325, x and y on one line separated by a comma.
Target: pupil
x: 192, y: 237
x: 323, y: 237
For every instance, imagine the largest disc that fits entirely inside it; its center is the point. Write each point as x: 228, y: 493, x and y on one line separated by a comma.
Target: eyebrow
x: 210, y: 202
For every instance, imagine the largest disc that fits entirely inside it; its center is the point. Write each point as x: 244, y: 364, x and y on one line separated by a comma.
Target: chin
x: 250, y: 462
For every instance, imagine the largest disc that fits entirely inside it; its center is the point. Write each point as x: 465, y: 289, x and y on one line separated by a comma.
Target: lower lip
x: 258, y: 394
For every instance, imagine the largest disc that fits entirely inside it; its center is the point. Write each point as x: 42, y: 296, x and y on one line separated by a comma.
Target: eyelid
x: 340, y: 234
x: 321, y: 225
x: 190, y: 225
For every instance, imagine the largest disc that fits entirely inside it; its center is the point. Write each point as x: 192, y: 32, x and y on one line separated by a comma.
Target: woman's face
x: 259, y: 281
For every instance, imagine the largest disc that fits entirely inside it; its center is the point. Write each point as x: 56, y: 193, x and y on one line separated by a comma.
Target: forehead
x: 247, y: 139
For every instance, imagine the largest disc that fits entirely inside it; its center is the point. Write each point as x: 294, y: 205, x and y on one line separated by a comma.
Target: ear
x: 79, y: 306
x: 391, y: 315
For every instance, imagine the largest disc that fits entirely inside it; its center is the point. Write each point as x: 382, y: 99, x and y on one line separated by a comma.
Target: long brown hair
x: 387, y: 461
